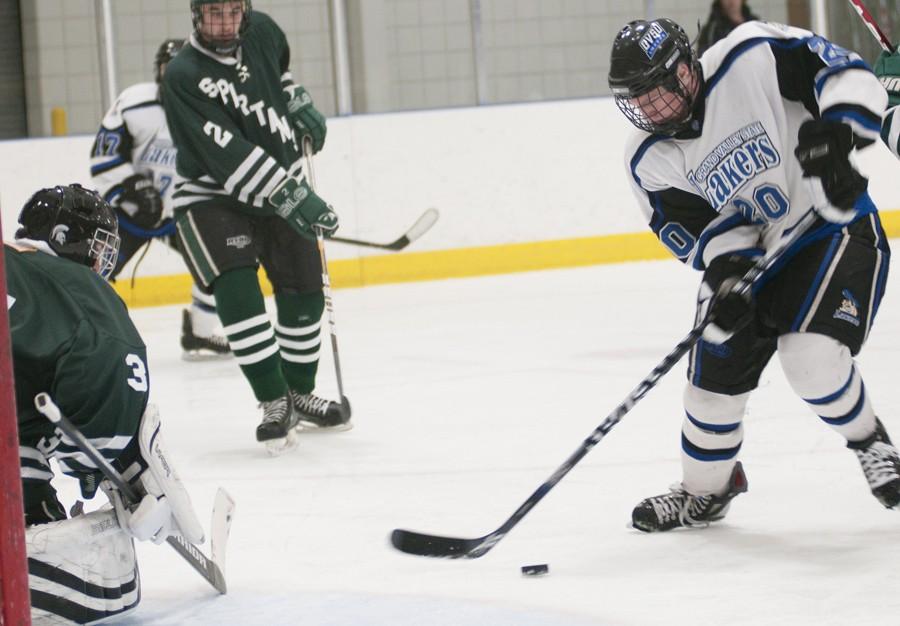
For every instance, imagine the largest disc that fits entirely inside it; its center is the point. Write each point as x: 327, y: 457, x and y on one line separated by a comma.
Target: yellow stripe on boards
x: 452, y: 263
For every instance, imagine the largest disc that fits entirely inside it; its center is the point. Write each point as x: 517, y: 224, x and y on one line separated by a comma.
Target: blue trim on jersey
x: 854, y: 412
x: 168, y: 228
x: 726, y: 225
x: 743, y: 47
x: 698, y: 363
x: 837, y: 394
x: 716, y: 428
x: 105, y: 167
x: 702, y: 454
x: 816, y: 283
x: 839, y: 114
x: 828, y: 72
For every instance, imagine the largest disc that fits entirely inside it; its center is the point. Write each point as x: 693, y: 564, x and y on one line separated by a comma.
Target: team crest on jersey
x: 653, y: 39
x: 739, y: 157
x: 849, y: 309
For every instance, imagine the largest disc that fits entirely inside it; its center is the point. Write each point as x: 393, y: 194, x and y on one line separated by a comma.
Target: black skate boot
x: 680, y: 508
x: 200, y: 348
x: 318, y: 413
x: 880, y: 463
x: 277, y: 427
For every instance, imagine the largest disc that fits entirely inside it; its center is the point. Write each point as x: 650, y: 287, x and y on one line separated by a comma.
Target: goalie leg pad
x: 81, y: 570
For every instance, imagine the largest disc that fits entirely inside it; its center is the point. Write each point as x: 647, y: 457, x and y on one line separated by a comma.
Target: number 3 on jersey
x: 138, y: 379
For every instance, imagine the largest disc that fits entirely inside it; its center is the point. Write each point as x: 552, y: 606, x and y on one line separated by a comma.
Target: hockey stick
x: 872, y: 25
x: 422, y: 225
x: 223, y: 510
x: 421, y: 544
x: 326, y: 285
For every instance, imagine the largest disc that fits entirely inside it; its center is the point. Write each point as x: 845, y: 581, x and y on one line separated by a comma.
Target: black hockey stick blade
x: 420, y: 544
x: 422, y: 225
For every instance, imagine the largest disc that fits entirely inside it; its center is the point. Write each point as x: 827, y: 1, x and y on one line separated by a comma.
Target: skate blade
x: 277, y: 447
x: 309, y: 428
x: 195, y: 356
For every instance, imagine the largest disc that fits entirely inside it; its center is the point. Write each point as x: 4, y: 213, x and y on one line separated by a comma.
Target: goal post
x: 15, y: 606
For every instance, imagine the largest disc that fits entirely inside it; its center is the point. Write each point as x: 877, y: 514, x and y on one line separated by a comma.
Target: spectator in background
x: 724, y: 16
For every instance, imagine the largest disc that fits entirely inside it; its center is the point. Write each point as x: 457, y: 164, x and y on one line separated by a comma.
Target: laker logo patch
x: 653, y: 39
x: 849, y: 309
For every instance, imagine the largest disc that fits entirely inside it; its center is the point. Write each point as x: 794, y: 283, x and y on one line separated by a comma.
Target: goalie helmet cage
x: 15, y: 606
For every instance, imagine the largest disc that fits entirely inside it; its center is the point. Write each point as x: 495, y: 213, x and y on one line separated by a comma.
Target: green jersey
x: 72, y: 338
x: 228, y: 119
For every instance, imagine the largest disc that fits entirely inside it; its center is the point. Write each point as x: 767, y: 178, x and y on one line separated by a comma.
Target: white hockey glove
x: 165, y: 507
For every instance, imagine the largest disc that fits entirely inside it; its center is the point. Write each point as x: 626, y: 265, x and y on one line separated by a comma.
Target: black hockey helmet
x: 166, y: 52
x: 76, y: 223
x: 645, y: 56
x: 223, y: 46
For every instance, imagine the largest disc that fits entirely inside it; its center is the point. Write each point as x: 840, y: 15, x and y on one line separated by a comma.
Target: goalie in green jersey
x: 73, y: 339
x: 238, y: 121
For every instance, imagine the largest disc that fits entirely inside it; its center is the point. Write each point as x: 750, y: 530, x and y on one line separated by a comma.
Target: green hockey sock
x: 240, y: 304
x: 299, y: 322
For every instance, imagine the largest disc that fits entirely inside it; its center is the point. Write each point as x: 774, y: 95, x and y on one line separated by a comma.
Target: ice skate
x: 680, y: 508
x: 317, y: 413
x: 197, y: 348
x: 277, y: 429
x: 880, y: 463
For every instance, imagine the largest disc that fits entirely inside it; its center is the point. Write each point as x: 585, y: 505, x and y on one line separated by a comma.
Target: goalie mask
x: 645, y: 79
x: 219, y: 25
x: 76, y: 223
x: 166, y: 52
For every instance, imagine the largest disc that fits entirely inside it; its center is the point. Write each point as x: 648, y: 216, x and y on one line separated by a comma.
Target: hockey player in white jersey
x: 133, y: 167
x: 732, y: 150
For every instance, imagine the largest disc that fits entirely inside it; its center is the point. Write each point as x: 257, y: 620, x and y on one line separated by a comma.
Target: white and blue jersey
x: 134, y: 138
x: 732, y: 184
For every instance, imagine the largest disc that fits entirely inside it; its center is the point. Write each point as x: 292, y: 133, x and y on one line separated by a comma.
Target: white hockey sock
x: 711, y: 438
x: 822, y: 372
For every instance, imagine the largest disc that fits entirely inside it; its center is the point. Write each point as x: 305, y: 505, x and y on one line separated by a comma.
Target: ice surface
x: 467, y: 394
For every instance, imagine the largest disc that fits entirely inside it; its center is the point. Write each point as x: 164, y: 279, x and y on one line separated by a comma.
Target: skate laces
x: 880, y: 463
x: 275, y: 410
x: 679, y: 504
x: 309, y: 403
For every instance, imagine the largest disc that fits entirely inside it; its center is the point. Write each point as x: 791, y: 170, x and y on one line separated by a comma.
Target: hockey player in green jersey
x: 238, y: 122
x: 72, y: 338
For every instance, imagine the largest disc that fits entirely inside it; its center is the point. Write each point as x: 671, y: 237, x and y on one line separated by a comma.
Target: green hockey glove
x: 887, y: 69
x: 302, y: 208
x: 304, y: 117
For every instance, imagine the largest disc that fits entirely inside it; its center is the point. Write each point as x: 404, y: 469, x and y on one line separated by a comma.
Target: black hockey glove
x: 140, y: 201
x: 304, y: 116
x: 729, y: 311
x: 823, y: 149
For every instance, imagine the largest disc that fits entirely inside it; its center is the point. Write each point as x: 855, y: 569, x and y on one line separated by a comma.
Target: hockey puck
x: 535, y: 570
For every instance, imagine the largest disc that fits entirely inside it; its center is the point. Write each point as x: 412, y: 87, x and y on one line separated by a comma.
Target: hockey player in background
x: 887, y: 69
x: 238, y: 121
x: 72, y: 338
x: 732, y: 150
x: 133, y: 166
